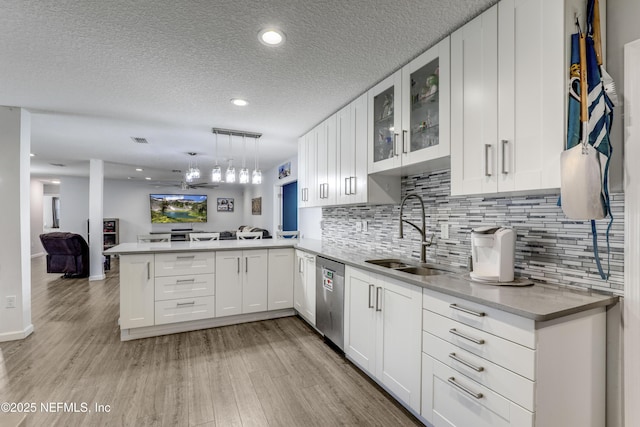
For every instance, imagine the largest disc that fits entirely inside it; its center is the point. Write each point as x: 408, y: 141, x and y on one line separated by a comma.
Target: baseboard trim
x: 154, y: 331
x: 97, y: 277
x: 38, y: 255
x: 16, y: 335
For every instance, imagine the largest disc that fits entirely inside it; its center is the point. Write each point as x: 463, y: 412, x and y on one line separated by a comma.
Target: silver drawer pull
x: 185, y: 281
x: 473, y: 394
x: 185, y: 257
x: 467, y: 310
x: 465, y: 363
x: 182, y: 304
x: 473, y: 340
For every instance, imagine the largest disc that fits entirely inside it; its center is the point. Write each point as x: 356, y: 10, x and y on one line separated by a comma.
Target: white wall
x: 622, y: 28
x: 15, y: 251
x: 37, y: 225
x: 129, y: 201
x: 74, y: 205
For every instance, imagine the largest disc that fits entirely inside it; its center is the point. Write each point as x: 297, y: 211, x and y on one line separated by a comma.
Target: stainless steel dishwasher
x: 330, y: 300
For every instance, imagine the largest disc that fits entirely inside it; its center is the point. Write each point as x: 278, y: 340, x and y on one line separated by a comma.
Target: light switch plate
x: 444, y: 231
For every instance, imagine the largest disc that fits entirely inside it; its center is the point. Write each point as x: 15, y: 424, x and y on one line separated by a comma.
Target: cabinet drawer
x: 182, y: 310
x: 187, y: 263
x: 459, y: 401
x: 506, y: 325
x: 510, y: 355
x: 510, y: 385
x: 195, y: 285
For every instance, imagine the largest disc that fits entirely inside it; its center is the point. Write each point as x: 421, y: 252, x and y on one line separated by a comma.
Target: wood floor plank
x: 275, y: 373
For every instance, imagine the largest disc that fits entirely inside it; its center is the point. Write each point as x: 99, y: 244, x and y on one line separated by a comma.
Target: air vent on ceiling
x: 60, y: 165
x: 138, y: 140
x: 176, y: 171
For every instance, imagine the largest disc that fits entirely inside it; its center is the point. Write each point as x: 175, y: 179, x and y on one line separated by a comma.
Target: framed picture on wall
x: 256, y: 206
x: 225, y: 204
x: 284, y: 170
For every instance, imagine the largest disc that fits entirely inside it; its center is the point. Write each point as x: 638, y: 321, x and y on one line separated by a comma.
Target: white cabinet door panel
x: 136, y: 291
x: 281, y: 277
x: 254, y: 286
x: 360, y: 319
x: 228, y: 283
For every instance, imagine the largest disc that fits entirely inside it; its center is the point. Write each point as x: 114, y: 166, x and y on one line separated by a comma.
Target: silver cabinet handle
x: 352, y: 186
x: 466, y: 337
x: 148, y: 270
x: 467, y: 310
x: 185, y: 257
x: 404, y: 148
x: 504, y: 152
x: 465, y: 363
x: 299, y: 265
x: 471, y: 393
x: 182, y: 304
x: 346, y: 188
x: 321, y: 188
x: 193, y: 280
x: 486, y: 159
x: 395, y: 145
x: 326, y: 190
x: 370, y: 302
x: 246, y: 264
x: 378, y: 299
x: 238, y: 262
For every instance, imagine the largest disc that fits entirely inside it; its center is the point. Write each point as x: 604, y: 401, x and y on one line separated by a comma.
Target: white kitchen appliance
x: 493, y: 252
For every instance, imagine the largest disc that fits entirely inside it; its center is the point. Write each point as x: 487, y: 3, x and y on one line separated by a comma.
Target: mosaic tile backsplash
x: 549, y: 248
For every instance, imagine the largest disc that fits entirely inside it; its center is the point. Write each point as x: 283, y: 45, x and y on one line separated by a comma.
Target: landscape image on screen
x: 169, y: 208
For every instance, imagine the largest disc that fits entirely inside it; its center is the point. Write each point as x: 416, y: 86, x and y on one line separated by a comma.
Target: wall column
x: 96, y: 193
x: 15, y: 250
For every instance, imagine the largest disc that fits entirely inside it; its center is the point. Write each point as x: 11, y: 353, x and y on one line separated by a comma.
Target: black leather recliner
x: 67, y: 253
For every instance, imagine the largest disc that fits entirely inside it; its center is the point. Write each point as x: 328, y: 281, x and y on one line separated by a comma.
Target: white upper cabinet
x: 509, y: 90
x: 352, y: 154
x: 326, y: 146
x: 409, y: 116
x: 474, y: 105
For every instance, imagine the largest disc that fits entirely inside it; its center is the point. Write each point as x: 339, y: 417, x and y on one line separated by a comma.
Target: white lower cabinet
x: 304, y: 291
x: 280, y: 280
x: 241, y: 282
x: 383, y: 333
x: 136, y: 291
x: 485, y: 367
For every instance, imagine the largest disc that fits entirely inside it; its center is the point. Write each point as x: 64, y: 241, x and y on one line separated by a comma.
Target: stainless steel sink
x: 388, y: 263
x: 421, y: 271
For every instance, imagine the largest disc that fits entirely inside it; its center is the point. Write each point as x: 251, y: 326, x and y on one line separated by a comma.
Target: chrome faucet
x: 423, y: 230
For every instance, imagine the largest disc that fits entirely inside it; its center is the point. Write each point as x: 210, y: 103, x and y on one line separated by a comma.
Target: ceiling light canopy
x: 239, y: 102
x: 271, y: 37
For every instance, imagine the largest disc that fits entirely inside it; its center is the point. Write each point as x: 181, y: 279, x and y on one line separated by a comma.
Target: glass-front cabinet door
x: 425, y: 114
x: 385, y: 124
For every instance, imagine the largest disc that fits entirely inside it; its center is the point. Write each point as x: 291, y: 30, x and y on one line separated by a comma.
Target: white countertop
x: 212, y: 245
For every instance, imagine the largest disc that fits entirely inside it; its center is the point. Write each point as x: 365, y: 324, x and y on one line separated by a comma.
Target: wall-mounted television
x: 172, y: 208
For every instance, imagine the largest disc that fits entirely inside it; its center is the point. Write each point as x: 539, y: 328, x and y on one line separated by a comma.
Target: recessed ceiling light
x: 148, y: 178
x: 139, y: 169
x: 239, y: 102
x: 271, y: 37
x: 32, y: 155
x: 55, y: 181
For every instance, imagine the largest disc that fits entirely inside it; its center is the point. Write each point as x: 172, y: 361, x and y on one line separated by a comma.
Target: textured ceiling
x: 97, y: 72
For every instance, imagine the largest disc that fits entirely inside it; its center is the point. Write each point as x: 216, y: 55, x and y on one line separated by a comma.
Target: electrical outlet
x: 11, y: 301
x: 444, y: 231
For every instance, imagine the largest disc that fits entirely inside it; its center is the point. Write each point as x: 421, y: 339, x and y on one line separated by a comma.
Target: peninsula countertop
x: 540, y: 302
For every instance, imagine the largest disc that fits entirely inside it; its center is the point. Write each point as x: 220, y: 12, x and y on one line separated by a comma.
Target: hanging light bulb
x: 230, y: 175
x: 244, y: 172
x: 193, y: 172
x: 256, y: 176
x: 216, y: 172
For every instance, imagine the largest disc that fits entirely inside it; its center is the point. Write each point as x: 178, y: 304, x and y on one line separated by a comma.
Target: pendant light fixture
x: 256, y: 177
x: 244, y: 172
x: 230, y: 175
x: 216, y: 172
x: 193, y: 172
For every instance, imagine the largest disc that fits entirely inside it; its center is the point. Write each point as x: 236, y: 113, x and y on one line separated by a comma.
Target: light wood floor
x: 276, y: 373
